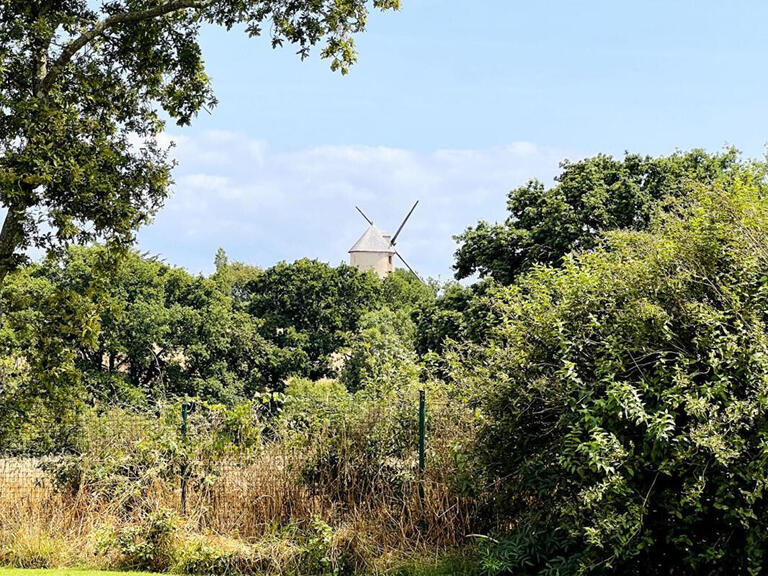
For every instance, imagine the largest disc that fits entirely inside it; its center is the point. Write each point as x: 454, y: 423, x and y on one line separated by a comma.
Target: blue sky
x: 452, y: 103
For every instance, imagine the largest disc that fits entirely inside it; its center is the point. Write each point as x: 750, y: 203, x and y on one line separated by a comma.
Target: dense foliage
x: 597, y: 404
x: 80, y: 329
x: 312, y: 306
x: 590, y: 197
x: 626, y: 398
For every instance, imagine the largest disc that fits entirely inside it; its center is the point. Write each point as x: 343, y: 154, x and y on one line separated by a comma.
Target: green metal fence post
x: 184, y: 411
x: 422, y: 451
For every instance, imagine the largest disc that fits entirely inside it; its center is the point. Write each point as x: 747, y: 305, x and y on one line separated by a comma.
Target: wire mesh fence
x: 238, y: 474
x: 23, y: 478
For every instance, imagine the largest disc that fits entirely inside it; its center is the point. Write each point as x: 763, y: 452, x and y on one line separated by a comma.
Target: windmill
x: 375, y: 250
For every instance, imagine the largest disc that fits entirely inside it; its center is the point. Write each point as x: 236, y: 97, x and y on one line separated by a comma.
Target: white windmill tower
x: 375, y: 250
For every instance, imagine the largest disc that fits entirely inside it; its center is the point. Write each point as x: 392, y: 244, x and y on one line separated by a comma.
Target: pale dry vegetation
x: 339, y: 494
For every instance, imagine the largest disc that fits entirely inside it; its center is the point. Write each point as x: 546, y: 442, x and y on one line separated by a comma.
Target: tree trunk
x: 10, y: 238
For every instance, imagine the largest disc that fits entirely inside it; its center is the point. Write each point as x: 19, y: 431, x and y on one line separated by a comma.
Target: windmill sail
x: 408, y: 266
x: 394, y: 238
x: 364, y: 216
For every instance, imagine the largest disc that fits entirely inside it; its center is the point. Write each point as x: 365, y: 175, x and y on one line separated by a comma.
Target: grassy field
x: 65, y: 572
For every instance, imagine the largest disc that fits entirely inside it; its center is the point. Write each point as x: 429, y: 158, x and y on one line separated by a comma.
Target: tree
x: 220, y: 261
x: 156, y: 332
x: 443, y: 319
x: 403, y: 290
x: 233, y: 278
x: 590, y: 198
x: 312, y: 306
x: 625, y: 398
x: 457, y: 314
x: 382, y: 357
x: 83, y: 86
x: 43, y: 327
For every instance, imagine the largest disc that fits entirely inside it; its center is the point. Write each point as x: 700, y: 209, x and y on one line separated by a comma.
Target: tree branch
x: 98, y: 29
x: 11, y: 236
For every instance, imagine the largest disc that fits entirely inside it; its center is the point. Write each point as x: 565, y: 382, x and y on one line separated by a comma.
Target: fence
x: 393, y: 472
x: 23, y: 478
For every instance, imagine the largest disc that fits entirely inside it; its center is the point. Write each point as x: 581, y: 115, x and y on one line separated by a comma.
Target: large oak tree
x: 83, y: 85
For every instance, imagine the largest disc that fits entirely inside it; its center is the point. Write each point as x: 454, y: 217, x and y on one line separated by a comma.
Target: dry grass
x: 249, y: 498
x: 253, y: 503
x: 64, y: 572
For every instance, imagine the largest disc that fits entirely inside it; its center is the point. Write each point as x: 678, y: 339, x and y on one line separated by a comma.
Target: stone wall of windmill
x: 373, y: 251
x: 381, y: 263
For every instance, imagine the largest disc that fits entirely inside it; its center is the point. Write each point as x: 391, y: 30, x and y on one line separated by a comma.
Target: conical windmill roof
x: 373, y: 240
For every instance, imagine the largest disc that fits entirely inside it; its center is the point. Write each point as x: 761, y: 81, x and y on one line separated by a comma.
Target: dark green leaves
x: 591, y: 197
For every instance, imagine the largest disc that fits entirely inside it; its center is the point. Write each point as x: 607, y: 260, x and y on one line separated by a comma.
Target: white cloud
x: 263, y: 206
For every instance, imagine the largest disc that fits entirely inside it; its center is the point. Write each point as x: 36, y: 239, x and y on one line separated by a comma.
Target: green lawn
x: 65, y: 572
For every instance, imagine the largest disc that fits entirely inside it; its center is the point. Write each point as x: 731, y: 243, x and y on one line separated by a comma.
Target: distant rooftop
x: 373, y: 240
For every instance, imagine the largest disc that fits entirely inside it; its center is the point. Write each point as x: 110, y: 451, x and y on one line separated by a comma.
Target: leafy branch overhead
x: 82, y: 89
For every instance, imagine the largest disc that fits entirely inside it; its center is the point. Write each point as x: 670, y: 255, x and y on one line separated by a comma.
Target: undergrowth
x: 326, y: 483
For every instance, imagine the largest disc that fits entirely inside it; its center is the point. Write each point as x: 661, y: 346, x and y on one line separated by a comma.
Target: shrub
x: 626, y: 400
x: 149, y: 545
x: 201, y: 558
x: 382, y: 357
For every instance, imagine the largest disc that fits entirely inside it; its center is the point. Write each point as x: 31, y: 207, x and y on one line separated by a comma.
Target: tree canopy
x: 590, y: 197
x: 78, y: 328
x: 84, y: 85
x: 312, y: 306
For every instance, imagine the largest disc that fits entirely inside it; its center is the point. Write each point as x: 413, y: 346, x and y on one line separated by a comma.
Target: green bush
x: 316, y: 549
x: 150, y: 545
x: 382, y: 356
x: 200, y: 558
x: 319, y: 555
x: 626, y: 399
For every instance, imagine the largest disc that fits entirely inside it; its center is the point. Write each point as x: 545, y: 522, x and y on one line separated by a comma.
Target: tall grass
x: 327, y: 488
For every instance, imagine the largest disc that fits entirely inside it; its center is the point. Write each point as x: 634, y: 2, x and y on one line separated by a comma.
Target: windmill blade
x: 408, y: 266
x: 394, y: 238
x: 364, y: 216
